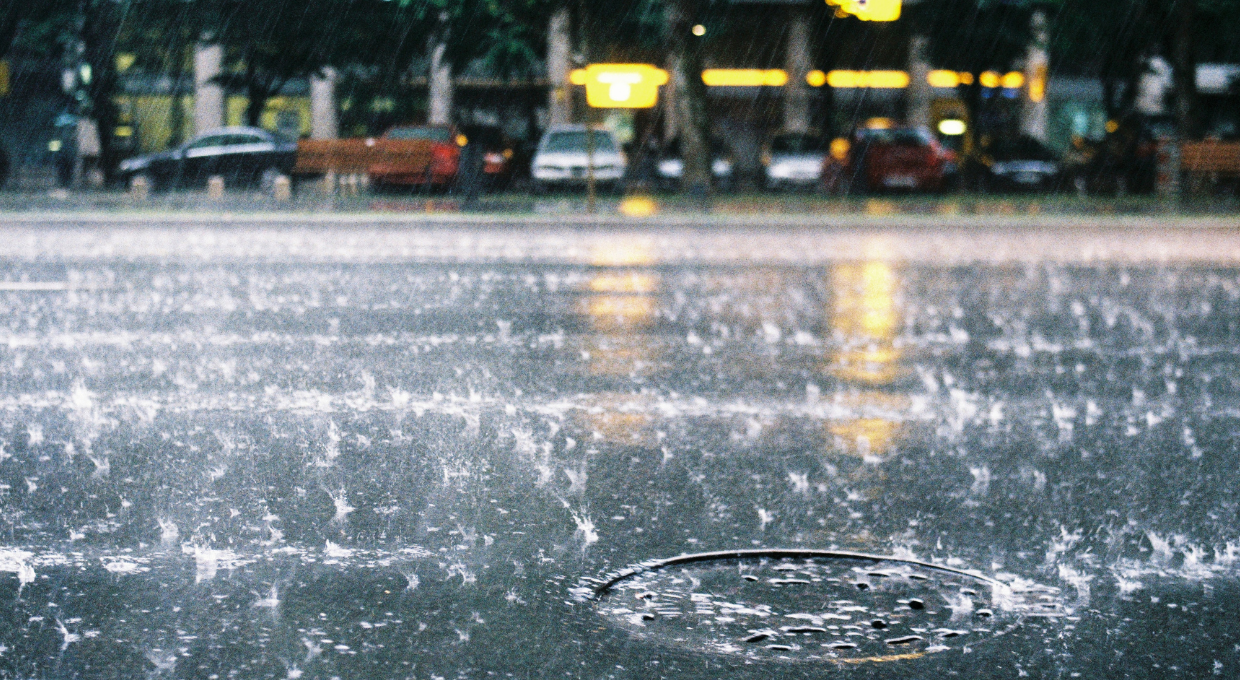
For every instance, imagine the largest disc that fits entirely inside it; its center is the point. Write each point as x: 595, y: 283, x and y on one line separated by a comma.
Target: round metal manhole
x: 814, y: 605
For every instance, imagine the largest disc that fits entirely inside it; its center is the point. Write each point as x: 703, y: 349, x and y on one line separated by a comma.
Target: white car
x: 562, y: 158
x: 794, y: 160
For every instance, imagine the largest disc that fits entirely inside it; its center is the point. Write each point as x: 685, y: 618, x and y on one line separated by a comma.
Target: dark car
x: 497, y: 154
x: 898, y: 159
x: 1021, y: 164
x: 671, y: 165
x: 243, y: 156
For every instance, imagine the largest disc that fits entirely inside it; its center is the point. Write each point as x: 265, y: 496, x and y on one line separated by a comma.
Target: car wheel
x: 267, y: 179
x: 141, y: 178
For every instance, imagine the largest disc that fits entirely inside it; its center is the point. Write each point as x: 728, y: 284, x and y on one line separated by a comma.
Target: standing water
x: 250, y: 453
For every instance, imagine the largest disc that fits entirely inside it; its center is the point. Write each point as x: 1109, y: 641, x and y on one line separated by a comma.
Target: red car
x: 434, y: 162
x: 891, y: 159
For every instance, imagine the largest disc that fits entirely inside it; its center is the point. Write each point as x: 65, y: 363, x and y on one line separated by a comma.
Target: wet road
x: 365, y: 450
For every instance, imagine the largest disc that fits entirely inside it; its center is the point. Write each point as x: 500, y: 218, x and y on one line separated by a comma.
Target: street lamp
x: 615, y: 86
x: 869, y: 10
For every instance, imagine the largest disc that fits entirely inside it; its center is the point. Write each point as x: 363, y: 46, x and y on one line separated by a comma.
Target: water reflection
x: 619, y: 303
x: 865, y: 318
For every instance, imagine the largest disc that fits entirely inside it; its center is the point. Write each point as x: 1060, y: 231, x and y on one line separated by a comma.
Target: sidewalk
x: 740, y: 209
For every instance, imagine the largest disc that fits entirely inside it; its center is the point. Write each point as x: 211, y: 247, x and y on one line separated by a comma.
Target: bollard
x: 282, y: 188
x: 140, y: 187
x: 329, y: 183
x: 215, y: 187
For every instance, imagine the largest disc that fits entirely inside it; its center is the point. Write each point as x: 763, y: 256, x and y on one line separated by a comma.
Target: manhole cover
x: 815, y: 605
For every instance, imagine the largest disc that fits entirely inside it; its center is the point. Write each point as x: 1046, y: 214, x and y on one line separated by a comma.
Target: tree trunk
x: 559, y: 41
x: 686, y: 61
x: 257, y: 101
x: 439, y: 82
x: 1185, y: 69
x: 797, y: 63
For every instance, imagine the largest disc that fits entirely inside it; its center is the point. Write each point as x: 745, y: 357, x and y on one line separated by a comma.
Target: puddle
x: 806, y: 605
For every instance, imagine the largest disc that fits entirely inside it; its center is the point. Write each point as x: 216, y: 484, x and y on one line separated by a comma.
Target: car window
x: 1022, y: 149
x: 212, y: 140
x: 797, y: 144
x: 576, y: 141
x: 245, y: 139
x: 433, y: 134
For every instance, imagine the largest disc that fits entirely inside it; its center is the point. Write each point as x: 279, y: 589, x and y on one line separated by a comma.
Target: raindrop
x: 904, y: 640
x: 916, y: 604
x: 985, y: 613
x: 878, y: 624
x: 756, y: 637
x: 863, y: 586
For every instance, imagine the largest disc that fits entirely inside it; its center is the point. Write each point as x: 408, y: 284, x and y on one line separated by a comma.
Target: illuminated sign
x: 1037, y: 84
x: 744, y: 77
x: 620, y: 86
x: 872, y: 79
x: 1013, y: 80
x: 952, y: 127
x: 869, y: 10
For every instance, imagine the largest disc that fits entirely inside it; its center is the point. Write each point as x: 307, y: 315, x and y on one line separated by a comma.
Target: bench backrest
x: 1220, y: 157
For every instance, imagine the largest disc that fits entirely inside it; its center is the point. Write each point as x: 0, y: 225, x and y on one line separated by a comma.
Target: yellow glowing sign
x: 872, y: 79
x: 869, y: 10
x: 4, y: 77
x: 952, y: 127
x: 125, y: 60
x: 840, y: 148
x: 1037, y: 84
x: 942, y: 78
x: 816, y: 78
x: 744, y: 77
x: 1013, y: 81
x: 620, y: 86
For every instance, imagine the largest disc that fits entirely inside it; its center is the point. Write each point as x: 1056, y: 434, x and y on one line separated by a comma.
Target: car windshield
x: 899, y: 136
x: 1021, y: 149
x: 717, y: 148
x: 576, y: 141
x: 798, y: 144
x: 433, y: 134
x: 489, y: 137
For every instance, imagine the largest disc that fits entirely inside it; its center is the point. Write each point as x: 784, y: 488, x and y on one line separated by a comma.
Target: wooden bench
x: 360, y: 155
x: 1210, y: 158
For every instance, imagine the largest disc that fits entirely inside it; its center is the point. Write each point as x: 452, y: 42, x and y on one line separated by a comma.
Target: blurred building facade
x: 821, y: 76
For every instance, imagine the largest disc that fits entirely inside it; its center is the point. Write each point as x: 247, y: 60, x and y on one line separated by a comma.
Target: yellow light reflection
x: 865, y: 306
x: 620, y: 305
x: 865, y: 436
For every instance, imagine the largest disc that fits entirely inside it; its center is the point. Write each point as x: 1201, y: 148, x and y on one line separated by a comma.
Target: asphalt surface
x: 279, y: 446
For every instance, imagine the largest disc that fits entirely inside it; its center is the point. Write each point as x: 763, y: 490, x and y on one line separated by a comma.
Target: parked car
x: 1021, y: 164
x: 898, y: 159
x: 243, y: 156
x: 671, y: 166
x: 498, y: 154
x: 436, y: 167
x: 561, y: 158
x: 794, y: 160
